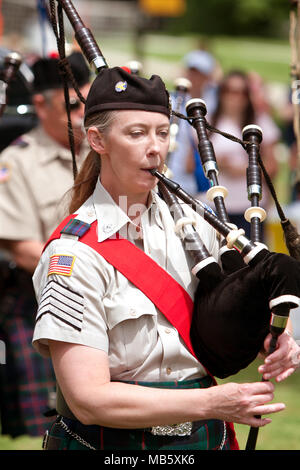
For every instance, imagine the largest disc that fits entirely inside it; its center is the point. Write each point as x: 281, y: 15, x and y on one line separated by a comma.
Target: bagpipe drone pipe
x: 11, y: 64
x: 236, y: 305
x: 251, y: 293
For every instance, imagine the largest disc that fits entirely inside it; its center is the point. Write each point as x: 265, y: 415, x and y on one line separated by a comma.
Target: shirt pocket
x: 132, y: 331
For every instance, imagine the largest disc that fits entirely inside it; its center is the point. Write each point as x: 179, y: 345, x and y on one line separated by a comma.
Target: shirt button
x: 167, y: 330
x: 90, y: 213
x: 132, y: 312
x: 169, y: 370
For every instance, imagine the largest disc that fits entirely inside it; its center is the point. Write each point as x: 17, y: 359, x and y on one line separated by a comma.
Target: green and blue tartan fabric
x: 75, y: 227
x: 206, y: 435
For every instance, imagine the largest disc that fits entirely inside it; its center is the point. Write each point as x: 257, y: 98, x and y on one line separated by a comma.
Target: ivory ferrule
x: 255, y: 211
x: 233, y: 237
x: 181, y: 223
x: 259, y: 247
x: 183, y: 84
x: 250, y: 127
x: 215, y: 191
x: 202, y: 264
x: 290, y: 299
x: 174, y: 129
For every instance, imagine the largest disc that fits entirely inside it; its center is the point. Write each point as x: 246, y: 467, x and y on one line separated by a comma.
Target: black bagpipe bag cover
x: 231, y: 318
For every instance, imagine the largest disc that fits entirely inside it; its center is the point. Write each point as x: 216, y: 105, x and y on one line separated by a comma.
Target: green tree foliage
x: 235, y: 17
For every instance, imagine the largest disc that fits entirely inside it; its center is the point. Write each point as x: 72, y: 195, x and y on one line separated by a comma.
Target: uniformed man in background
x: 35, y: 176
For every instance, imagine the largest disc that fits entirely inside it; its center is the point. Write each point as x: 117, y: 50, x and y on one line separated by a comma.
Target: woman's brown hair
x: 87, y: 177
x: 248, y: 116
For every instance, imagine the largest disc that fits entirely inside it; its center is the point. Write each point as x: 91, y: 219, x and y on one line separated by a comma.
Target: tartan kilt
x: 206, y: 434
x: 26, y: 379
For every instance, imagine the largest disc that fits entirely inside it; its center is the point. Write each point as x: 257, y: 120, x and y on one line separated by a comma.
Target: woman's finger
x: 268, y: 409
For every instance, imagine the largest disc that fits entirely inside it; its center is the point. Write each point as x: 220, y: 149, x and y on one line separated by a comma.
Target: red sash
x: 167, y: 294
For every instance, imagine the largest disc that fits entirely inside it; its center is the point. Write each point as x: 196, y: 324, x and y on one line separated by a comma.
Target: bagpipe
x: 12, y: 62
x: 182, y: 86
x: 250, y: 292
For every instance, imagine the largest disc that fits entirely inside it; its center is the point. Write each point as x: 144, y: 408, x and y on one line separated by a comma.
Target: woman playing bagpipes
x: 115, y: 289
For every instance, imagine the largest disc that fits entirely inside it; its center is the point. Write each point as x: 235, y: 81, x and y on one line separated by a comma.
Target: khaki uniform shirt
x: 35, y: 176
x: 96, y: 306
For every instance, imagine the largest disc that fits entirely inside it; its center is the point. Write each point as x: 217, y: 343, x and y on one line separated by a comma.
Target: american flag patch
x: 61, y: 264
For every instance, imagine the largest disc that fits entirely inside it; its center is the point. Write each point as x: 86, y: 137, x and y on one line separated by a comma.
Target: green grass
x: 269, y: 57
x: 20, y: 443
x: 284, y: 431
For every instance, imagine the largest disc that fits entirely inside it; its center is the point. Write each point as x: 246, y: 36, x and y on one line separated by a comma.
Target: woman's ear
x: 96, y: 140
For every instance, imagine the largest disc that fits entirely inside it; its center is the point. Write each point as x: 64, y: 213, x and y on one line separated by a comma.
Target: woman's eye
x: 164, y: 134
x: 136, y: 134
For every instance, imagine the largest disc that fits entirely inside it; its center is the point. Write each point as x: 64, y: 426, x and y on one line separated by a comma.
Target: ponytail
x: 85, y: 181
x: 88, y: 175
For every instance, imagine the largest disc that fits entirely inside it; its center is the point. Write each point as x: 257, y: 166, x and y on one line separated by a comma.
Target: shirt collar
x: 51, y: 149
x: 110, y: 216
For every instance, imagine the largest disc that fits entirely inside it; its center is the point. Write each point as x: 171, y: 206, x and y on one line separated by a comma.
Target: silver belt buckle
x: 181, y: 429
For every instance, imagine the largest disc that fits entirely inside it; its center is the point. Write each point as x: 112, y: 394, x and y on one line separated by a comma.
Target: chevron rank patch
x: 62, y: 304
x: 61, y: 264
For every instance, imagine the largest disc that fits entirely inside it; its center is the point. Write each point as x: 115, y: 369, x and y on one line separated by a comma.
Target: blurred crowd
x: 36, y: 173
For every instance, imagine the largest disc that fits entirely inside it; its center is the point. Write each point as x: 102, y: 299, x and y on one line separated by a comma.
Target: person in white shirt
x: 233, y: 112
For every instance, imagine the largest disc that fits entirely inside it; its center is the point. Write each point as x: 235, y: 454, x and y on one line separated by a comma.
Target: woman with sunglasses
x: 233, y: 112
x: 126, y: 379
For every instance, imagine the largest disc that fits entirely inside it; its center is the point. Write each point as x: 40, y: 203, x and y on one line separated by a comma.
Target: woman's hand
x: 282, y: 362
x: 243, y: 403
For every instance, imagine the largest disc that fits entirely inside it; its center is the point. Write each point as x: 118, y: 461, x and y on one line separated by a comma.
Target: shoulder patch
x: 76, y: 227
x: 4, y: 172
x: 61, y: 264
x: 20, y: 142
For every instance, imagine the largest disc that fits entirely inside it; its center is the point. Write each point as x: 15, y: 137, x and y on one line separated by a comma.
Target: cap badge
x: 121, y: 86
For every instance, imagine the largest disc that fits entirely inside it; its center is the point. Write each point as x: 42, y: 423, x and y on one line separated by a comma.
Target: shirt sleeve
x: 70, y: 283
x: 18, y: 220
x: 271, y: 132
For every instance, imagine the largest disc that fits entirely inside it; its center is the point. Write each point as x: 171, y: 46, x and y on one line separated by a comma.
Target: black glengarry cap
x: 115, y: 88
x: 47, y: 74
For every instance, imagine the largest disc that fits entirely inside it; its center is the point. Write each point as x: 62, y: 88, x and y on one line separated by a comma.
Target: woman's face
x: 53, y: 115
x: 234, y: 95
x: 136, y: 142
